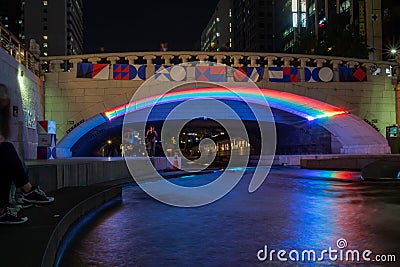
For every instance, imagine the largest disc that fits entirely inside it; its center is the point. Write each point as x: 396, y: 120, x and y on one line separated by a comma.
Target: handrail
x: 234, y: 59
x: 10, y: 43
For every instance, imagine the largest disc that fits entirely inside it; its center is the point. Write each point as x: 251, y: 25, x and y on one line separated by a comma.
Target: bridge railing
x: 234, y: 59
x: 16, y: 49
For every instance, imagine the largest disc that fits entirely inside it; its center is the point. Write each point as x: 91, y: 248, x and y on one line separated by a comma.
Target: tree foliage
x: 337, y: 38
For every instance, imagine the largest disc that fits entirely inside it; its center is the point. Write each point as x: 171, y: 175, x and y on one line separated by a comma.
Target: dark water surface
x: 294, y: 209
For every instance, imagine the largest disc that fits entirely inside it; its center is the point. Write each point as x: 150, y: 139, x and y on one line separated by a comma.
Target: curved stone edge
x: 383, y: 169
x: 79, y: 211
x: 355, y: 135
x: 64, y: 146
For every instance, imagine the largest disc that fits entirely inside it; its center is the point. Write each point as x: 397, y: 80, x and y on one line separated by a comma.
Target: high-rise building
x: 253, y: 25
x: 57, y: 26
x: 291, y: 20
x: 311, y: 15
x: 218, y: 33
x: 11, y: 16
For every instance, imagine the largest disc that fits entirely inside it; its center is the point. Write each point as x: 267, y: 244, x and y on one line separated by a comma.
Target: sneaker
x: 36, y: 196
x: 10, y: 216
x: 19, y: 202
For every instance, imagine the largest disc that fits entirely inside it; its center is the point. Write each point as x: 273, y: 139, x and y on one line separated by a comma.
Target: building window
x: 45, y: 37
x: 45, y: 54
x: 45, y: 28
x: 45, y: 10
x: 44, y: 19
x: 45, y: 45
x: 45, y: 3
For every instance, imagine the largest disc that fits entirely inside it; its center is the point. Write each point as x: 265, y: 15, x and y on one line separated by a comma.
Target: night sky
x: 132, y: 25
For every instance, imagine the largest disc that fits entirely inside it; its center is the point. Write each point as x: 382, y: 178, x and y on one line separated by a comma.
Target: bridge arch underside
x: 341, y: 134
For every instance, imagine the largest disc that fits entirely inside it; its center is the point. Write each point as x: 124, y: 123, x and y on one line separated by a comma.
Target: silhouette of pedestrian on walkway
x: 151, y: 139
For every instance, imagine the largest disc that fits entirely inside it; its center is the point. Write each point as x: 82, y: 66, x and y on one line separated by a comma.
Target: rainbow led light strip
x: 304, y: 107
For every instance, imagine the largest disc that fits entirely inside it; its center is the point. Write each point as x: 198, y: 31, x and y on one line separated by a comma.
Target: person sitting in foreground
x: 12, y: 171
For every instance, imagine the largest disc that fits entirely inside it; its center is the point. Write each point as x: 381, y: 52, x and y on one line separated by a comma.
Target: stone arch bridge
x: 81, y: 105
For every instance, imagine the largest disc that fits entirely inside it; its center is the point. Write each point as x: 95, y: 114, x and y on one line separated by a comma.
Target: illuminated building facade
x: 293, y: 15
x: 311, y: 15
x: 11, y: 16
x: 57, y: 26
x: 218, y: 32
x: 253, y: 25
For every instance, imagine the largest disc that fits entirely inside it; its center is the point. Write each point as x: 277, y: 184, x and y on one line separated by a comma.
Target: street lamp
x: 109, y: 142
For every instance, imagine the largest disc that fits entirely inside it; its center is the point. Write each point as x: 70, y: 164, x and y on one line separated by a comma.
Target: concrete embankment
x: 80, y: 186
x: 344, y: 162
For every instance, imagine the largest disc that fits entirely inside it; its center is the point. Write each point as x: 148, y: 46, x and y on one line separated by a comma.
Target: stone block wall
x: 373, y: 100
x: 26, y: 92
x: 70, y: 100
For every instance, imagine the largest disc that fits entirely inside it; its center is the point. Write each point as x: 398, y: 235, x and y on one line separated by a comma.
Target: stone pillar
x: 202, y: 58
x: 320, y: 62
x: 113, y: 60
x: 150, y: 65
x: 303, y: 63
x: 185, y: 58
x: 167, y: 59
x: 74, y: 62
x: 335, y: 64
x: 236, y: 61
x: 270, y: 61
x: 131, y: 59
x: 219, y: 58
x: 352, y: 64
x: 94, y: 59
x: 55, y: 65
x: 253, y: 61
x: 286, y: 61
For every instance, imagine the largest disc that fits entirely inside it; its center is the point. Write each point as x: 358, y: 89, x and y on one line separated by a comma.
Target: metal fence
x: 16, y: 49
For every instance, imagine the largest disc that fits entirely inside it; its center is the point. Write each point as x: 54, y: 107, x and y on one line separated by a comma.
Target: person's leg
x: 5, y: 186
x: 6, y: 178
x: 153, y: 149
x: 7, y: 215
x: 13, y: 167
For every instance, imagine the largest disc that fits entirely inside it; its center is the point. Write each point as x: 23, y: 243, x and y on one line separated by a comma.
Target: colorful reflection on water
x: 294, y: 209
